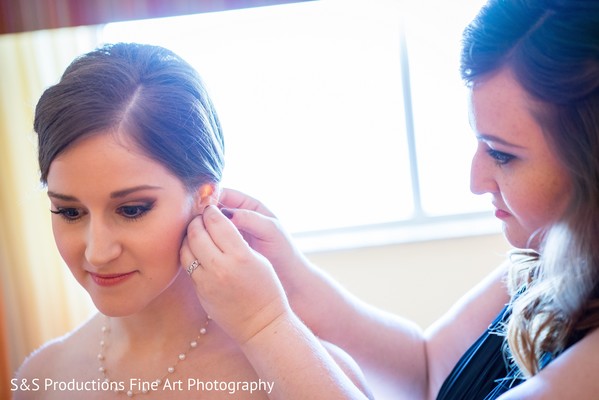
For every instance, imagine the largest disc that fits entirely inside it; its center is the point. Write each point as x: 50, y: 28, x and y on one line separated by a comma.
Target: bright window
x: 338, y: 115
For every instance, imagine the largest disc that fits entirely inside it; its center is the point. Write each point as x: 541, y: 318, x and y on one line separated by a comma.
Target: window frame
x: 420, y: 226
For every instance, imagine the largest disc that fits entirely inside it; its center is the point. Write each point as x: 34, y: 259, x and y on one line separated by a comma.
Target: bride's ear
x: 207, y: 194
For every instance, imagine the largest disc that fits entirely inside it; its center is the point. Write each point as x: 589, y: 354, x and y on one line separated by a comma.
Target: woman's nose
x: 102, y: 245
x: 482, y: 179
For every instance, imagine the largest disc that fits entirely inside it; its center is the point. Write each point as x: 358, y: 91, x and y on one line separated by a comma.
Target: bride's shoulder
x: 60, y: 353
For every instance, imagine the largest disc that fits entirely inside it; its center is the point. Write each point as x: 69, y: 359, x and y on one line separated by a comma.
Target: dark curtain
x: 30, y: 15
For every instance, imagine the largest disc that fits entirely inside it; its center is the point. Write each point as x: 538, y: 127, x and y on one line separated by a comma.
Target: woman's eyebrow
x: 60, y: 196
x: 125, y: 192
x: 496, y: 139
x: 113, y: 195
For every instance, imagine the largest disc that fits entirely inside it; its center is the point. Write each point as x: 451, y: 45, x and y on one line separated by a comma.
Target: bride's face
x: 119, y: 220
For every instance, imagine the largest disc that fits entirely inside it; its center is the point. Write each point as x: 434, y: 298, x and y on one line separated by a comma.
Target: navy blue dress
x: 483, y: 372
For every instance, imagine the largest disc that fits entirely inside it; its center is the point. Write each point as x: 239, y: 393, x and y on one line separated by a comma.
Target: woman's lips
x: 501, y: 214
x: 110, y: 279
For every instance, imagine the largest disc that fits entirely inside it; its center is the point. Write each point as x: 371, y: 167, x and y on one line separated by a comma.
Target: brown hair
x: 155, y: 95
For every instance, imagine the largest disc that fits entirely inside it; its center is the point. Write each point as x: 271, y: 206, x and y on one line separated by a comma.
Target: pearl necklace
x: 182, y: 356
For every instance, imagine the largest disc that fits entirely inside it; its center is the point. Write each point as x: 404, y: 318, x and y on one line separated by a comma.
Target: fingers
x: 253, y: 223
x: 215, y: 235
x: 228, y: 273
x: 221, y: 230
x: 231, y: 198
x: 187, y: 257
x: 209, y: 237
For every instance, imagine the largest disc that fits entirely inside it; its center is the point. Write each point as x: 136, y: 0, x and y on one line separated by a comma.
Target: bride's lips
x: 110, y: 279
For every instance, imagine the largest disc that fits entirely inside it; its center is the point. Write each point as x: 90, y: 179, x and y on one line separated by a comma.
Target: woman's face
x: 513, y: 161
x: 119, y: 220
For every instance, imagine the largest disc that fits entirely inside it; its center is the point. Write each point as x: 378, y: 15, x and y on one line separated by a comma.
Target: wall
x: 419, y: 281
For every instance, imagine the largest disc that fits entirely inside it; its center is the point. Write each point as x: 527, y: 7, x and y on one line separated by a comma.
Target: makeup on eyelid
x: 62, y: 211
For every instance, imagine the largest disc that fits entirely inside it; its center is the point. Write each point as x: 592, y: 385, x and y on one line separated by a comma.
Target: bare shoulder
x: 54, y: 360
x: 572, y: 375
x: 44, y: 361
x: 482, y: 302
x: 349, y: 366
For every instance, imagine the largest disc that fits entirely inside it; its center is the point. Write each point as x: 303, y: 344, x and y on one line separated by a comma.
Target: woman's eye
x: 69, y: 214
x: 133, y: 212
x: 500, y: 157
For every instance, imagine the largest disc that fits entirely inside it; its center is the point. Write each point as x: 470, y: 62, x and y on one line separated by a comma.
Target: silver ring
x: 194, y: 265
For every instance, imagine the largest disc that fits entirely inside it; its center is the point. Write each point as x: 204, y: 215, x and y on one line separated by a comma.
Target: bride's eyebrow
x: 60, y: 196
x: 113, y: 195
x: 125, y: 192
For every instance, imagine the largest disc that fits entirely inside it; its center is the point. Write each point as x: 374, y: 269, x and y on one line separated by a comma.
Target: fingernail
x: 227, y: 213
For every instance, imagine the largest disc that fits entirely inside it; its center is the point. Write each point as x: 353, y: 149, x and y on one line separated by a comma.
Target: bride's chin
x: 113, y: 307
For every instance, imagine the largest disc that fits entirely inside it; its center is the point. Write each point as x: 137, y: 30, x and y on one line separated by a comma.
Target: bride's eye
x: 70, y: 214
x: 134, y: 211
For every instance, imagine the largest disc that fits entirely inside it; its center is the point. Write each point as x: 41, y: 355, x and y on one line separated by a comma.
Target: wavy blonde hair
x: 552, y: 307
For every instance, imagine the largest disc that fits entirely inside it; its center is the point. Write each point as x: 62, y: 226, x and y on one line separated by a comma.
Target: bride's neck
x: 177, y: 312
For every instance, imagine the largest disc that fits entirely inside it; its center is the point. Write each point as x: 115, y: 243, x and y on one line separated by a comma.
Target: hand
x: 263, y: 232
x: 231, y: 198
x: 237, y: 286
x: 307, y: 288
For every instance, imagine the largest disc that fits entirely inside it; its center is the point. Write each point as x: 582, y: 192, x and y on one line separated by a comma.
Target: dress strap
x: 483, y: 371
